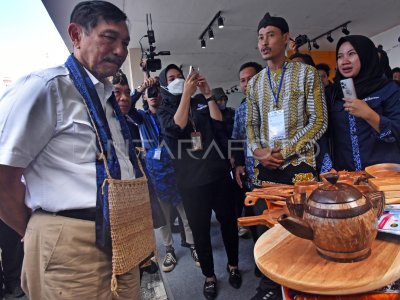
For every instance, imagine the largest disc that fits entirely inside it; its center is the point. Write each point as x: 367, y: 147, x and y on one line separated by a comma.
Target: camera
x: 152, y: 64
x: 153, y: 91
x: 300, y: 40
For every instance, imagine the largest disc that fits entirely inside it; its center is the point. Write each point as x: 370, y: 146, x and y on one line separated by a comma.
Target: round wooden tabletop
x: 293, y: 262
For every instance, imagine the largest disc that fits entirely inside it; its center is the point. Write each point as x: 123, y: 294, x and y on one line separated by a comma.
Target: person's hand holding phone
x: 190, y: 85
x: 204, y: 87
x: 193, y: 70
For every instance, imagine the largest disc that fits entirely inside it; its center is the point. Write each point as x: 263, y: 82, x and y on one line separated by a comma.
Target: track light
x: 209, y: 30
x: 315, y: 45
x: 329, y: 38
x: 328, y: 34
x: 220, y: 22
x: 345, y: 30
x: 210, y: 34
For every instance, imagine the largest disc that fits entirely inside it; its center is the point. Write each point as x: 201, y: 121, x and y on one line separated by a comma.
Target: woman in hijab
x: 197, y: 138
x: 366, y: 130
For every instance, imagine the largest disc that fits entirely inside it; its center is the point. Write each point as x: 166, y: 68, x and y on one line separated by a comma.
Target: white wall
x: 389, y: 39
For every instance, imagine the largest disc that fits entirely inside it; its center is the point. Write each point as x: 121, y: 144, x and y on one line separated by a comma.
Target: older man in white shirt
x: 47, y: 137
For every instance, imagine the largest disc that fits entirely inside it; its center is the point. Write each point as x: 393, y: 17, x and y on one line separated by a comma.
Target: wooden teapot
x: 339, y: 219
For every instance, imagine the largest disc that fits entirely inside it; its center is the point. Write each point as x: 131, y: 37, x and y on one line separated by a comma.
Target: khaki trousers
x: 62, y: 262
x: 165, y: 230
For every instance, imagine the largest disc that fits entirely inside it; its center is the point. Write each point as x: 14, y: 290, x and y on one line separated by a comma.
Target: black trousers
x: 12, y: 254
x: 199, y: 202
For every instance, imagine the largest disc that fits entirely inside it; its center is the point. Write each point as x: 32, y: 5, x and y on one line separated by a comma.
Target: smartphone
x: 348, y: 88
x: 193, y: 69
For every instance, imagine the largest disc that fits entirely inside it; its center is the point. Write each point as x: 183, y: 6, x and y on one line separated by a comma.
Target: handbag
x: 131, y: 222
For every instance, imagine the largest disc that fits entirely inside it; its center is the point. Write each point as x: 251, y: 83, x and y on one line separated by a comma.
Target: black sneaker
x: 210, y: 289
x: 170, y: 261
x: 195, y: 257
x: 235, y: 279
x: 151, y: 267
x: 273, y: 294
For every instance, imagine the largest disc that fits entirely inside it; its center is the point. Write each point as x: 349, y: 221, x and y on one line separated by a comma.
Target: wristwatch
x: 211, y: 98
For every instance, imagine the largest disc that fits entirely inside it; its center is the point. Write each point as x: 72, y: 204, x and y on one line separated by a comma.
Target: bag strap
x: 102, y: 155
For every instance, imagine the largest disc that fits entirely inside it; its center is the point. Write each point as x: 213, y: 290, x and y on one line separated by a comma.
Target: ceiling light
x: 209, y: 30
x: 329, y: 38
x: 220, y: 22
x: 210, y: 34
x: 345, y: 30
x: 315, y: 45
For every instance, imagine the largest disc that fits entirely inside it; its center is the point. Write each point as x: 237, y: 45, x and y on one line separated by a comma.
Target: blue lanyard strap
x: 276, y: 97
x: 155, y: 127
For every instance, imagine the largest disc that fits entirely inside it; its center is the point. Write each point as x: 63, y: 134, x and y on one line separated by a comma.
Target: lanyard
x: 191, y: 119
x: 276, y: 97
x: 156, y: 128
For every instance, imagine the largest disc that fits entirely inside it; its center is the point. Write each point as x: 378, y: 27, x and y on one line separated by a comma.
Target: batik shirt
x: 239, y: 133
x: 302, y: 100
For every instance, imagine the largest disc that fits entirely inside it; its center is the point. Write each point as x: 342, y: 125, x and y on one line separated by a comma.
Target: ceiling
x: 178, y: 24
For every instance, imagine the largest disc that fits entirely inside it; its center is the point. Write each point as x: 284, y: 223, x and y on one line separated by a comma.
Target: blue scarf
x: 86, y: 88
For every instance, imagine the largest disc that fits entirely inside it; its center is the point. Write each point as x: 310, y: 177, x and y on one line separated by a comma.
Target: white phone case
x: 348, y: 88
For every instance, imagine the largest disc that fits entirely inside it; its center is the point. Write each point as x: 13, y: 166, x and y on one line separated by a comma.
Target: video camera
x: 152, y: 64
x: 300, y: 40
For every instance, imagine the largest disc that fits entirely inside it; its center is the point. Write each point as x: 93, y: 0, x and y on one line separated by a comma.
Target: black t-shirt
x: 195, y: 168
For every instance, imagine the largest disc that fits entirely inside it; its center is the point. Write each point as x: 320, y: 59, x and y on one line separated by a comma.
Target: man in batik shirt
x: 286, y: 111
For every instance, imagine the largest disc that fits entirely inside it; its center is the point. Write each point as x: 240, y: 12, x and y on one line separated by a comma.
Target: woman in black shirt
x: 197, y: 139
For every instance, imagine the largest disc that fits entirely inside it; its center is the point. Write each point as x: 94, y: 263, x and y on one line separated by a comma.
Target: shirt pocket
x: 84, y: 142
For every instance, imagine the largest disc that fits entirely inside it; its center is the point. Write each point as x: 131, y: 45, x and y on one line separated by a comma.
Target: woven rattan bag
x: 131, y: 223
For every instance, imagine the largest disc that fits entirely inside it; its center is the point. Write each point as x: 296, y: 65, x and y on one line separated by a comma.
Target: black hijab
x: 370, y: 78
x: 167, y: 96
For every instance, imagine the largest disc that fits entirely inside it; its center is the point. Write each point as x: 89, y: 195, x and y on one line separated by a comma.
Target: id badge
x: 276, y: 125
x: 196, y: 141
x: 157, y: 154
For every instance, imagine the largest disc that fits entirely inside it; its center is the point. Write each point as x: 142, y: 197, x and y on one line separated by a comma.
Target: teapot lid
x: 333, y: 193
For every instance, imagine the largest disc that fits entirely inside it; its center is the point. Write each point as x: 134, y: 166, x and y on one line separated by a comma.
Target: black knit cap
x: 279, y: 22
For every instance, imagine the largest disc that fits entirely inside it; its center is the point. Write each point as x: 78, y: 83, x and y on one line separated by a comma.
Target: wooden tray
x: 383, y: 170
x: 294, y: 262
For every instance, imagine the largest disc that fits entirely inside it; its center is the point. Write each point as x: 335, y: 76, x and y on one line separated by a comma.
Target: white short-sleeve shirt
x: 45, y: 129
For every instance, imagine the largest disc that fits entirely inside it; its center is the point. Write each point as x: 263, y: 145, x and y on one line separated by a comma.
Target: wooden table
x: 293, y: 262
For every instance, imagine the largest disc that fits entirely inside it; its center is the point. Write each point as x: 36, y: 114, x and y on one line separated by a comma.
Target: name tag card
x: 157, y: 154
x: 196, y: 141
x: 276, y: 125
